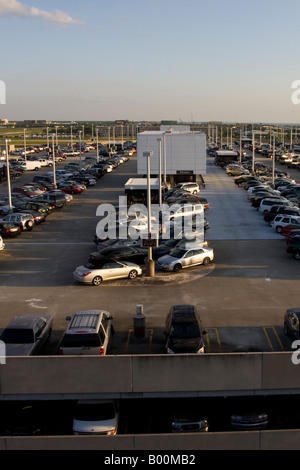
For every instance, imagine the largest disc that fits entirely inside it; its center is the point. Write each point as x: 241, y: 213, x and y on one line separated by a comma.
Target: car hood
x: 94, y: 426
x: 185, y: 345
x: 167, y: 259
x: 19, y: 349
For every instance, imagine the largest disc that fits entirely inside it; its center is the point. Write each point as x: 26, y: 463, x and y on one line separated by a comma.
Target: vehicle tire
x: 195, y: 192
x: 29, y: 225
x: 97, y: 281
x: 206, y: 261
x: 133, y: 274
x: 177, y: 268
x: 297, y: 255
x: 278, y: 229
x: 36, y: 169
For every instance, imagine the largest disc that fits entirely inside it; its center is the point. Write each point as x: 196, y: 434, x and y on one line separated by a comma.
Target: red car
x: 285, y: 231
x: 71, y: 188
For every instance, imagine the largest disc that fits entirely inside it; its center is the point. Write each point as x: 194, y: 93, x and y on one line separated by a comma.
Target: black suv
x: 293, y: 247
x: 184, y: 331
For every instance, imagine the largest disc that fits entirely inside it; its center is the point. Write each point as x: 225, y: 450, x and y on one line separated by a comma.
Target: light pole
x: 47, y: 139
x: 273, y: 163
x: 253, y: 153
x: 53, y: 163
x: 56, y: 136
x: 80, y: 163
x: 8, y: 174
x: 72, y: 138
x: 150, y: 267
x: 25, y: 145
x: 165, y: 159
x: 97, y: 144
x: 159, y: 172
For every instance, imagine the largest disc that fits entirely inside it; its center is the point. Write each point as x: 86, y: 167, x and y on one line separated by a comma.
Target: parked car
x: 293, y: 246
x: 38, y: 218
x: 284, y: 220
x: 180, y: 258
x: 291, y: 323
x: 266, y: 202
x: 193, y: 188
x: 285, y: 231
x: 96, y: 417
x: 187, y: 418
x: 276, y: 210
x: 25, y: 335
x: 2, y: 244
x: 94, y: 273
x: 134, y: 254
x: 183, y: 330
x: 24, y: 220
x: 72, y: 187
x: 8, y: 230
x: 24, y: 419
x: 54, y: 198
x: 89, y: 332
x: 36, y: 206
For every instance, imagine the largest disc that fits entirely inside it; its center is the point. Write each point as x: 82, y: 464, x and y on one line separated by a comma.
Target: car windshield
x: 177, y: 253
x: 95, y: 412
x: 185, y: 330
x: 17, y: 336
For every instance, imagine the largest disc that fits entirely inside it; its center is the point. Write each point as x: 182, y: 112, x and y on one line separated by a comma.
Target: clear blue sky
x: 189, y: 60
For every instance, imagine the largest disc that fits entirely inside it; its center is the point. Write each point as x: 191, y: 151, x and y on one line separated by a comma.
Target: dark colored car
x: 8, y: 230
x: 26, y: 334
x: 56, y: 199
x: 24, y: 419
x: 38, y: 218
x: 42, y: 209
x: 120, y: 253
x: 183, y: 330
x: 275, y: 210
x: 291, y: 323
x: 293, y: 246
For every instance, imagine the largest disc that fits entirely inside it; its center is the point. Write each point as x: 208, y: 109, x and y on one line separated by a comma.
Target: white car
x: 94, y: 274
x: 99, y: 417
x: 180, y: 258
x: 2, y: 244
x: 281, y: 221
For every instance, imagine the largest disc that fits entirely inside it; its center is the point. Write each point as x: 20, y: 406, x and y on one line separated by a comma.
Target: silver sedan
x: 183, y: 258
x: 93, y: 274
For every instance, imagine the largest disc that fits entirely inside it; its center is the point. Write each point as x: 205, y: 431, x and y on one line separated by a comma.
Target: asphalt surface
x: 241, y: 296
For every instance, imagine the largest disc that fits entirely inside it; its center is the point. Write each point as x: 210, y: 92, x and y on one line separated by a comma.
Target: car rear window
x: 17, y: 336
x: 81, y: 340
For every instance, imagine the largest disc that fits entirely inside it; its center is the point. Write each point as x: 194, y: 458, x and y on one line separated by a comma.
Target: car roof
x: 183, y: 312
x: 24, y: 321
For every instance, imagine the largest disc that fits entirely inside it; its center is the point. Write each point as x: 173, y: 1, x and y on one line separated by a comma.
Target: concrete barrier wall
x: 252, y: 440
x: 150, y: 374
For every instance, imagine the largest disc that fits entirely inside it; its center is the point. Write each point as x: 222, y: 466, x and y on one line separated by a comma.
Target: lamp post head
x: 147, y: 154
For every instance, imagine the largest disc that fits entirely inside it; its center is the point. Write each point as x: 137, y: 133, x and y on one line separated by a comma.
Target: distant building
x: 4, y: 121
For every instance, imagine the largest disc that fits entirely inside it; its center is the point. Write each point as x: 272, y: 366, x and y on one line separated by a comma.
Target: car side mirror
x: 68, y: 318
x: 204, y: 332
